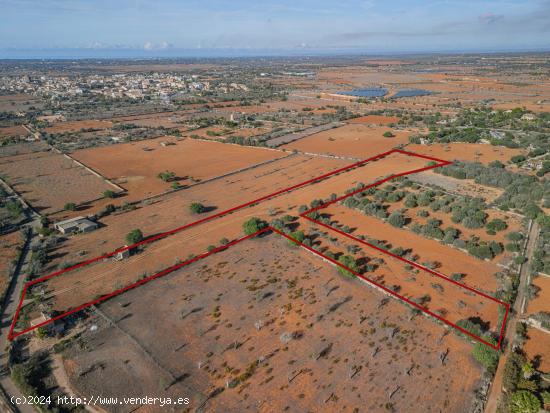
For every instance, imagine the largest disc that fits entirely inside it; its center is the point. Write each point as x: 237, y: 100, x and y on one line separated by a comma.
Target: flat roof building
x: 78, y: 224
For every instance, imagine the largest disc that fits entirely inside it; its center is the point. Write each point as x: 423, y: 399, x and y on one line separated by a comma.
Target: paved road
x: 13, y: 294
x: 516, y: 314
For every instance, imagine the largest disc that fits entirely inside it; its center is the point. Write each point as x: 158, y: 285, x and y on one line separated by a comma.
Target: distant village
x: 133, y: 86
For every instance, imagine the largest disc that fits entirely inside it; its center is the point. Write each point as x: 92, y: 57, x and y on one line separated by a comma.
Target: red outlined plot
x: 434, y: 164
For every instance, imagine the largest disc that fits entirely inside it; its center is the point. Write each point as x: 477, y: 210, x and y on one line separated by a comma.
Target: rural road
x: 515, y: 314
x: 14, y: 291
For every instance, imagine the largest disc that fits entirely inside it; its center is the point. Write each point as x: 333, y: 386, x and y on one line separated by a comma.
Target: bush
x: 518, y: 158
x: 134, y: 236
x: 456, y: 276
x: 297, y: 237
x: 197, y: 208
x: 520, y: 259
x: 514, y: 236
x: 70, y: 206
x: 486, y: 356
x: 253, y: 225
x: 109, y: 194
x: 410, y: 201
x: 512, y: 371
x: 524, y: 401
x: 167, y: 176
x: 349, y: 262
x: 497, y: 225
x: 388, y: 134
x: 14, y: 208
x: 396, y: 219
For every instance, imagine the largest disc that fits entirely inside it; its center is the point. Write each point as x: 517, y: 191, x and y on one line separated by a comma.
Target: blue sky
x: 166, y: 26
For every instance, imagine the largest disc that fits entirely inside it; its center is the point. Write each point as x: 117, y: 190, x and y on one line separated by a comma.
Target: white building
x: 78, y: 224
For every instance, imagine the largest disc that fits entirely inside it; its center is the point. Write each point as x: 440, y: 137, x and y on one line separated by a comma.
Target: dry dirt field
x: 537, y: 347
x: 135, y: 165
x: 23, y: 148
x: 466, y: 187
x: 49, y: 180
x: 18, y: 102
x: 274, y: 329
x: 540, y: 302
x: 82, y: 285
x: 375, y: 120
x: 433, y: 293
x: 13, y: 131
x: 355, y: 140
x: 8, y: 252
x: 472, y: 152
x: 76, y: 126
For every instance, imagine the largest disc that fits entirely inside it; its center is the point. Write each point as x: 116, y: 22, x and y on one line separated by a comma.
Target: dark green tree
x: 253, y: 225
x: 349, y: 262
x: 524, y: 401
x: 134, y: 236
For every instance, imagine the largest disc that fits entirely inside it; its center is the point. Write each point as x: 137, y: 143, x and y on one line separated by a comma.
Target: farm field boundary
x: 434, y: 163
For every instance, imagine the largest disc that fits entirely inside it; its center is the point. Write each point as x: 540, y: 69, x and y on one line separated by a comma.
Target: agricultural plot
x: 471, y: 152
x: 13, y: 132
x: 461, y: 222
x: 49, y: 180
x: 537, y: 348
x: 172, y: 210
x: 432, y: 291
x: 135, y: 166
x: 375, y: 120
x: 85, y: 283
x: 539, y: 303
x: 78, y: 126
x: 9, y: 251
x: 474, y: 272
x: 71, y: 289
x: 268, y: 327
x: 353, y: 140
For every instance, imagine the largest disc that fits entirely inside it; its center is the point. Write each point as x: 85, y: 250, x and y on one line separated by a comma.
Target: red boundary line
x: 12, y: 335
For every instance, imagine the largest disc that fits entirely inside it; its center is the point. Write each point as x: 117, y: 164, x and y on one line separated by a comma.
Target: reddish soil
x: 49, y: 180
x: 459, y: 186
x: 167, y: 214
x: 77, y: 126
x: 479, y: 273
x: 8, y: 252
x: 357, y: 140
x: 135, y: 165
x: 537, y: 347
x: 540, y: 302
x: 323, y: 341
x: 514, y: 222
x: 472, y: 152
x: 444, y: 298
x: 13, y: 131
x: 375, y: 120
